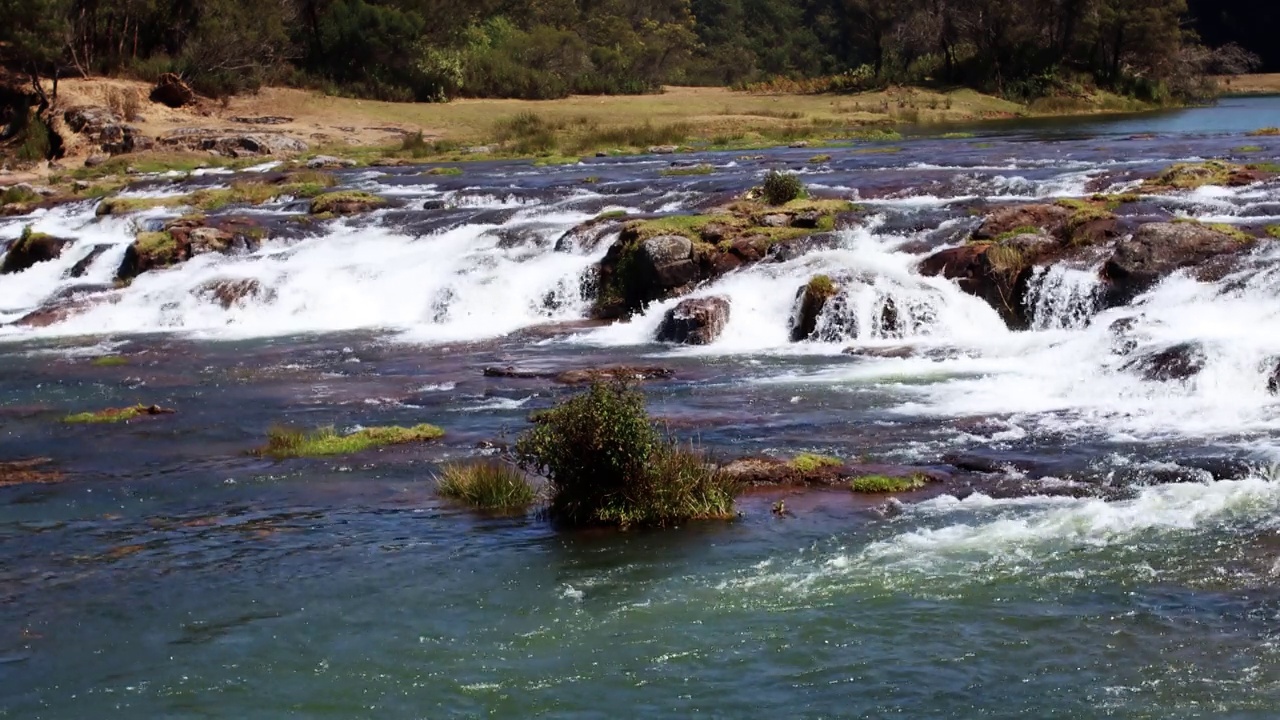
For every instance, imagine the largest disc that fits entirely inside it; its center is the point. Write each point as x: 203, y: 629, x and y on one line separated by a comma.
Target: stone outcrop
x: 29, y: 249
x: 581, y: 376
x: 104, y: 130
x: 696, y: 321
x: 230, y: 143
x: 182, y: 239
x: 1157, y: 249
x: 810, y: 301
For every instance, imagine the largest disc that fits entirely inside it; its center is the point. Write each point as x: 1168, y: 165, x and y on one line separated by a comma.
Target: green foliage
x: 18, y: 194
x: 1021, y: 230
x: 807, y: 462
x: 285, y: 442
x: 36, y: 141
x: 444, y: 171
x: 780, y: 188
x: 821, y: 286
x: 608, y: 464
x: 487, y: 485
x: 879, y: 484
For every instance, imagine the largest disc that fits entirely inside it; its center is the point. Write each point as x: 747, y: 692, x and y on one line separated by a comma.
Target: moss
x: 287, y: 443
x: 1113, y: 202
x: 1267, y: 167
x: 1265, y: 132
x: 1189, y: 176
x: 124, y: 206
x: 160, y: 247
x: 332, y: 202
x: 612, y: 215
x: 591, y: 180
x: 878, y: 151
x: 879, y: 484
x: 110, y: 361
x: 115, y: 415
x: 819, y: 159
x: 1230, y: 231
x: 702, y: 169
x: 486, y: 485
x: 447, y: 171
x: 808, y: 462
x: 1249, y: 149
x: 1274, y: 231
x: 1022, y: 230
x: 1074, y: 203
x: 821, y: 286
x: 957, y: 135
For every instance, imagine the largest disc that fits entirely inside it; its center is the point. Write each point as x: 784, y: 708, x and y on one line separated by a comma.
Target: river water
x: 1121, y: 563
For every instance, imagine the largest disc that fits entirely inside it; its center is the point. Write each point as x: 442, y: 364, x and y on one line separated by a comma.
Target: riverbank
x: 1258, y: 84
x: 290, y: 122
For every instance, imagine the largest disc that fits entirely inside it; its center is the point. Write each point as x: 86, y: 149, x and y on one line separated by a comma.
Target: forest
x: 437, y: 50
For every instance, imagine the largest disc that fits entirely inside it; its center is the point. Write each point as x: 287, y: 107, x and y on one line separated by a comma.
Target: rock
x: 810, y: 301
x: 1273, y: 377
x: 104, y: 130
x: 18, y: 208
x: 231, y: 144
x: 667, y: 260
x: 628, y: 373
x: 96, y: 160
x: 82, y: 265
x: 479, y: 150
x: 30, y: 249
x: 346, y: 202
x: 1178, y: 362
x: 1048, y: 217
x: 172, y: 91
x: 1159, y: 249
x: 182, y: 239
x: 262, y: 120
x: 662, y: 149
x: 807, y: 220
x: 228, y: 293
x: 1123, y: 342
x: 997, y: 273
x: 899, y: 352
x: 799, y: 144
x: 329, y: 162
x: 775, y: 221
x: 696, y: 321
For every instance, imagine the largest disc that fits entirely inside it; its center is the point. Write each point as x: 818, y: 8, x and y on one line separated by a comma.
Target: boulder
x: 1177, y: 362
x: 1273, y: 376
x: 105, y: 131
x: 996, y: 273
x: 668, y: 259
x: 231, y: 143
x: 329, y: 162
x: 182, y: 239
x: 30, y: 249
x: 229, y: 293
x: 82, y: 265
x: 172, y: 91
x: 696, y: 321
x: 810, y: 301
x: 1159, y: 249
x: 1049, y: 217
x: 625, y: 373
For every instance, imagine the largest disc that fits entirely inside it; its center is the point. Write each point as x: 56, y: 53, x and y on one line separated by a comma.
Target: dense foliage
x: 433, y: 49
x: 608, y: 464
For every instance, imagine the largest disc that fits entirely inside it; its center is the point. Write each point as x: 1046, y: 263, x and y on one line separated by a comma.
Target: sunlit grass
x: 285, y: 442
x: 486, y: 485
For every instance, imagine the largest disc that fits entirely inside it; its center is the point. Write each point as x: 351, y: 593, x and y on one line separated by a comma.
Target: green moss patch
x: 821, y: 286
x: 819, y: 159
x: 110, y: 361
x: 124, y: 206
x: 1189, y: 176
x: 448, y: 171
x: 1265, y: 132
x: 1227, y: 229
x: 1274, y: 231
x: 346, y: 202
x: 703, y: 169
x: 290, y: 443
x: 880, y: 484
x: 809, y: 462
x: 115, y: 415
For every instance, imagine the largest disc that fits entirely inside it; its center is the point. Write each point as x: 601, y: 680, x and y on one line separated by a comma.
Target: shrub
x: 489, y: 485
x: 287, y: 443
x: 37, y: 141
x: 781, y: 188
x: 608, y: 464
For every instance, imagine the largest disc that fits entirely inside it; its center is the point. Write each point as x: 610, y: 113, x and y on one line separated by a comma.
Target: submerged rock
x: 580, y: 376
x: 229, y: 293
x: 1177, y: 362
x: 697, y: 321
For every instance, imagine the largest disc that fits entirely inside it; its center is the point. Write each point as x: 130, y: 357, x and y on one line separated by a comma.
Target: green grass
x: 1249, y: 149
x: 290, y: 443
x: 488, y: 485
x: 124, y: 206
x: 809, y: 462
x: 612, y: 215
x: 1189, y: 176
x: 1227, y: 229
x: 115, y: 415
x: 821, y: 286
x: 957, y: 135
x: 332, y: 202
x: 160, y: 247
x: 444, y: 171
x: 819, y: 159
x: 110, y: 361
x: 1022, y: 230
x: 17, y: 194
x: 1267, y: 167
x: 702, y: 169
x: 879, y: 484
x: 1274, y: 231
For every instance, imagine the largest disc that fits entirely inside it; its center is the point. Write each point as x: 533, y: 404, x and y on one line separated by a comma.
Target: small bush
x: 608, y: 464
x: 489, y: 485
x: 781, y: 188
x: 37, y: 141
x: 289, y: 443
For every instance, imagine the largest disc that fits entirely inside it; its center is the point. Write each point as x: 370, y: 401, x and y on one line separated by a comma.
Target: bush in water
x: 781, y: 188
x: 489, y: 485
x: 608, y: 464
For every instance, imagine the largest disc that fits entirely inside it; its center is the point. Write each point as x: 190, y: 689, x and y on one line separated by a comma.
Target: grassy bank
x: 1261, y: 84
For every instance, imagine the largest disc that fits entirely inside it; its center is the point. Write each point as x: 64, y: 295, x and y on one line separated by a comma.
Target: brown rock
x: 30, y: 249
x: 696, y: 321
x: 172, y: 91
x: 1159, y: 249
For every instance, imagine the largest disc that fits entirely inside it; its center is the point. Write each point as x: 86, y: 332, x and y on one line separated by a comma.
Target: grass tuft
x: 488, y: 485
x: 702, y: 169
x: 1265, y: 132
x: 338, y: 202
x: 808, y: 462
x: 285, y: 442
x: 115, y: 415
x: 780, y: 188
x: 819, y: 159
x: 110, y: 361
x: 1274, y: 231
x: 878, y: 484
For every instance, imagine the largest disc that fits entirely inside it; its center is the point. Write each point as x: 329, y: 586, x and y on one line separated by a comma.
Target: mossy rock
x: 885, y: 484
x: 346, y: 202
x: 813, y: 297
x: 116, y: 415
x: 29, y: 249
x: 1190, y: 176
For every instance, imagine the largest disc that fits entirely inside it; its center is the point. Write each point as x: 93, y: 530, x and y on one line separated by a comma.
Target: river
x: 1123, y: 564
